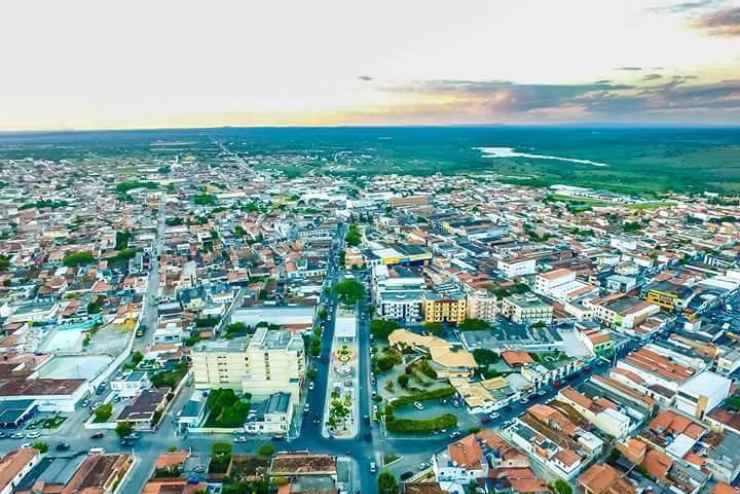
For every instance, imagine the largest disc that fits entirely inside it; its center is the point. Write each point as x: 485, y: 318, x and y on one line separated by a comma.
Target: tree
x: 4, y: 263
x: 381, y: 328
x: 483, y: 356
x: 474, y: 325
x: 435, y: 328
x: 266, y: 450
x: 124, y: 429
x: 387, y: 483
x: 353, y: 237
x: 41, y: 446
x: 403, y: 381
x: 349, y: 291
x: 75, y: 259
x: 137, y: 357
x: 562, y: 487
x: 103, y: 412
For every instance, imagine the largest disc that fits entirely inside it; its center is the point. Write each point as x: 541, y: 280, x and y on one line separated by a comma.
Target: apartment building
x: 526, y: 308
x: 517, y: 266
x: 220, y: 364
x: 401, y: 305
x: 482, y: 305
x: 450, y: 307
x: 277, y: 362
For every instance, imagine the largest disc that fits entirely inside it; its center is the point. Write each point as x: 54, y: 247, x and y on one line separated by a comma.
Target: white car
x: 418, y: 405
x: 33, y: 435
x: 373, y: 467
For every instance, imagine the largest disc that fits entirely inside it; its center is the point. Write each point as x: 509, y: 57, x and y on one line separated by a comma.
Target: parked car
x: 373, y: 467
x: 423, y: 466
x: 18, y: 435
x: 418, y: 405
x: 406, y: 475
x: 33, y: 435
x: 494, y: 415
x: 97, y: 435
x: 310, y: 386
x: 455, y: 434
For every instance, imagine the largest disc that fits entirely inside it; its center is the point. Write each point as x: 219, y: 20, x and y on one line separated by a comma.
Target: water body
x: 496, y: 152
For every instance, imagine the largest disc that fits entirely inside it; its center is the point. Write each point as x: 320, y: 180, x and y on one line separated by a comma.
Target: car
x: 373, y: 467
x: 18, y: 435
x: 541, y: 392
x: 406, y: 475
x: 418, y: 405
x: 455, y: 434
x: 485, y: 419
x: 423, y: 466
x: 33, y: 435
x: 310, y: 386
x: 97, y: 435
x: 524, y: 401
x: 134, y: 436
x: 494, y: 415
x: 2, y: 434
x: 62, y: 447
x: 306, y: 408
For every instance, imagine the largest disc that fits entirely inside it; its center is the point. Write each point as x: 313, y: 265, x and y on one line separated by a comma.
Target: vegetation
x: 236, y: 329
x: 207, y: 322
x: 220, y: 458
x: 421, y: 426
x: 474, y: 325
x: 266, y: 450
x: 385, y: 362
x: 122, y: 240
x: 483, y: 356
x: 435, y: 328
x: 103, y: 412
x: 44, y: 203
x: 4, y: 263
x: 80, y: 258
x: 733, y: 403
x: 560, y: 486
x: 381, y: 329
x: 226, y: 410
x: 41, y: 446
x: 170, y: 378
x: 205, y: 199
x: 387, y: 483
x: 125, y: 187
x: 349, y: 291
x: 353, y: 237
x: 434, y: 394
x: 124, y: 429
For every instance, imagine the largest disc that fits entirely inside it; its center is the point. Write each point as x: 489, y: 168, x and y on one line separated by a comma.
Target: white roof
x: 705, y: 384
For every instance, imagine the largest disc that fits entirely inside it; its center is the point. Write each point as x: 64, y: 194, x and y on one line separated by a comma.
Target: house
x: 146, y: 409
x: 132, y: 384
x: 14, y: 466
x: 602, y: 478
x: 50, y: 395
x: 273, y: 416
x: 461, y: 463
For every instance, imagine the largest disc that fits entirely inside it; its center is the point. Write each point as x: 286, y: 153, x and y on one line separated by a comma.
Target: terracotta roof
x: 657, y: 464
x: 722, y: 488
x: 13, y: 463
x: 517, y: 358
x: 603, y: 478
x: 466, y: 453
x: 567, y: 457
x: 168, y: 460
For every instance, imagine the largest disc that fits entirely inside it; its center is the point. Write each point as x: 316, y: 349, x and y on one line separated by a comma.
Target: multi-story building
x: 276, y: 362
x: 400, y: 305
x: 668, y: 296
x: 517, y: 266
x: 220, y: 364
x: 482, y: 305
x: 451, y: 307
x: 526, y: 309
x: 620, y: 311
x: 274, y: 415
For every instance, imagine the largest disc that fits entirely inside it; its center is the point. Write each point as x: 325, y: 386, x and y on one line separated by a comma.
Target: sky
x: 147, y: 64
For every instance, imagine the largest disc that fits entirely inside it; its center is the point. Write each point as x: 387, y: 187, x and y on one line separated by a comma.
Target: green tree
x: 562, y: 487
x: 4, y: 263
x: 403, y: 381
x: 353, y: 237
x: 349, y: 291
x: 435, y: 328
x: 484, y: 356
x: 41, y: 446
x: 387, y: 483
x: 266, y: 450
x: 474, y: 325
x: 75, y: 259
x: 381, y: 328
x: 124, y: 429
x: 137, y: 357
x: 103, y: 412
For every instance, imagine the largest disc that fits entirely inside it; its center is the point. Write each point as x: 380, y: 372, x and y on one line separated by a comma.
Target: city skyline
x: 85, y: 66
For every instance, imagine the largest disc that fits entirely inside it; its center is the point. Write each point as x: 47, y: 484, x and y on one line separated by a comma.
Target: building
x: 16, y: 465
x: 146, y: 410
x: 220, y: 363
x: 451, y: 307
x: 668, y: 296
x: 50, y: 395
x: 273, y: 416
x: 602, y: 413
x: 526, y: 308
x: 482, y: 305
x: 400, y: 305
x: 702, y: 393
x: 620, y: 311
x: 602, y: 478
x: 517, y: 266
x: 132, y: 384
x: 276, y: 363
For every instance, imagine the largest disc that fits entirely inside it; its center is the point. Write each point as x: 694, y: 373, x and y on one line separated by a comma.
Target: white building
x: 276, y: 362
x: 515, y: 267
x: 274, y: 415
x: 131, y: 385
x: 220, y: 364
x: 702, y: 393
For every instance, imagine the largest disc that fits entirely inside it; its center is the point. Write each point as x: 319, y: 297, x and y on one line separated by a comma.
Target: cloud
x: 724, y: 22
x: 365, y: 78
x: 683, y: 7
x: 630, y: 69
x: 680, y: 98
